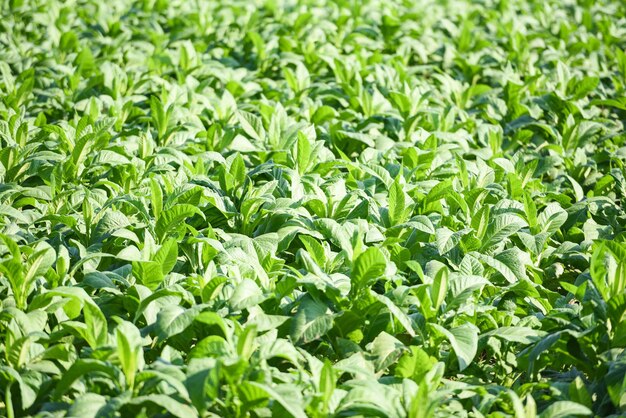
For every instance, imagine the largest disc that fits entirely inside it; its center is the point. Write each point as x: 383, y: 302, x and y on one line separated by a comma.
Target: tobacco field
x: 312, y: 208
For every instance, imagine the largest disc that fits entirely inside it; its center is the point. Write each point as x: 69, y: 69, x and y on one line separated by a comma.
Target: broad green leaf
x: 562, y: 409
x: 246, y: 294
x: 464, y: 342
x: 290, y: 406
x: 78, y: 369
x: 402, y: 317
x: 174, y: 319
x: 500, y: 229
x: 313, y: 320
x: 166, y: 256
x: 173, y: 217
x: 414, y: 364
x: 252, y: 125
x: 167, y: 403
x: 368, y: 266
x: 523, y: 335
x: 552, y: 218
x: 385, y: 350
x: 447, y: 240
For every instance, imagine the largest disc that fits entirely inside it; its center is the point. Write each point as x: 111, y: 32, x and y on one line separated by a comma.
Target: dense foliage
x: 318, y: 208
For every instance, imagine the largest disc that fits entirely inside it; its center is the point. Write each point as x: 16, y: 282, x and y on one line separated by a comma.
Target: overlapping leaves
x: 291, y: 208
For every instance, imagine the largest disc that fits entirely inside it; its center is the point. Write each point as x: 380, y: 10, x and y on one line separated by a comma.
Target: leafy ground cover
x: 312, y: 208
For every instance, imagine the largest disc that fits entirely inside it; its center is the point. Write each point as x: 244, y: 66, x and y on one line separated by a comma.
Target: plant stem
x: 8, y: 402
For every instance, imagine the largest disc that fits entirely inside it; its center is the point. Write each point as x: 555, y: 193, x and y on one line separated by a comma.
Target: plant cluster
x: 312, y: 208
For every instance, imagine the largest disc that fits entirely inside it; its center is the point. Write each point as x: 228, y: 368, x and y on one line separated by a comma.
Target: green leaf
x: 447, y: 240
x: 80, y: 368
x: 156, y: 198
x: 531, y: 211
x: 563, y: 409
x: 385, y: 350
x: 464, y: 342
x: 327, y: 383
x: 414, y: 364
x: 252, y: 125
x: 552, y: 218
x: 581, y: 88
x: 290, y: 406
x: 87, y: 406
x: 149, y: 273
x: 439, y: 288
x: 303, y: 153
x: 129, y: 350
x: 523, y: 335
x: 246, y: 344
x: 500, y: 229
x: 312, y: 321
x: 315, y: 249
x: 27, y: 393
x: 173, y: 217
x: 368, y: 267
x: 40, y: 262
x: 166, y: 256
x: 246, y: 294
x: 174, y: 319
x: 402, y: 317
x: 508, y: 263
x: 579, y: 393
x: 323, y: 114
x: 165, y: 402
x: 397, y: 204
